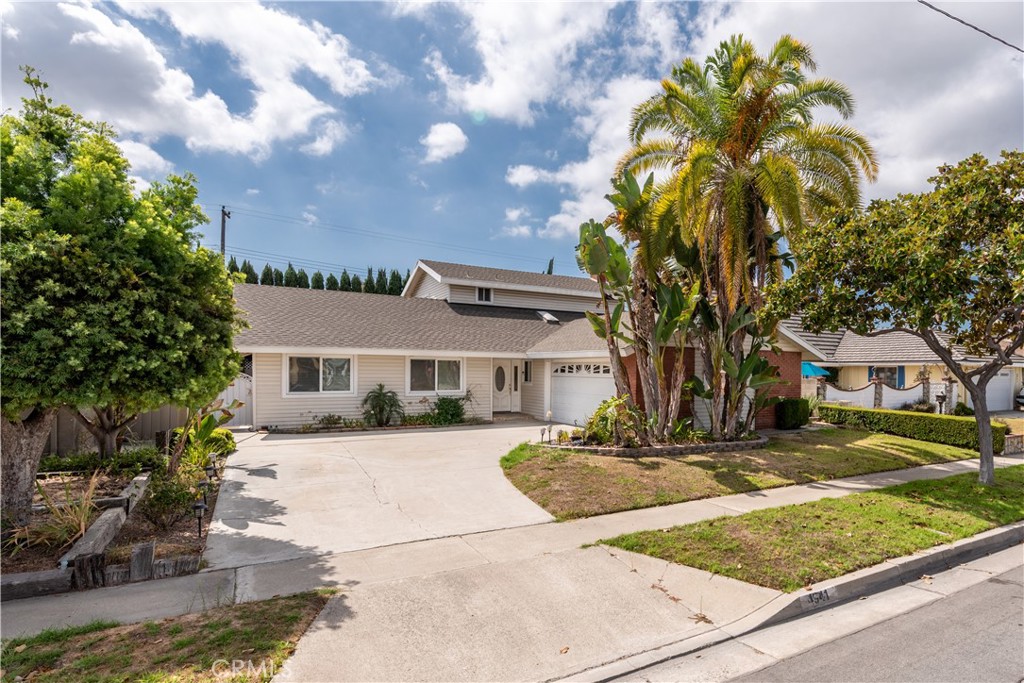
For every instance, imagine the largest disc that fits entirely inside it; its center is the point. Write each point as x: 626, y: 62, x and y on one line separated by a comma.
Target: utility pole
x: 224, y: 216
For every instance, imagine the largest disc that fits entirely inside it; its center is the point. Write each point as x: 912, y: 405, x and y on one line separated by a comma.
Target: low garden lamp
x: 543, y: 431
x: 204, y: 486
x: 549, y: 426
x: 211, y: 469
x: 199, y: 509
x: 940, y: 398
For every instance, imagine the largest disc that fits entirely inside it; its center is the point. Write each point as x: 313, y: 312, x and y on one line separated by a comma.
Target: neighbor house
x: 900, y: 360
x: 513, y: 341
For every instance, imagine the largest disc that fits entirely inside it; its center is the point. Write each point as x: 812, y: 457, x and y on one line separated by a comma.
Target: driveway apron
x: 289, y: 496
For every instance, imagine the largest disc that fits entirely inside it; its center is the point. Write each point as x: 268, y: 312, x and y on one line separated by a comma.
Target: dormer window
x: 483, y: 295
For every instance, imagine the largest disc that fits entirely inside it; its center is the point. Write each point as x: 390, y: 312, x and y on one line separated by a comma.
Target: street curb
x: 889, y: 574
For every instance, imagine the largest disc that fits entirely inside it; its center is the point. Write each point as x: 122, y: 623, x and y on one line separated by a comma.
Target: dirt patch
x: 57, y: 487
x: 181, y: 539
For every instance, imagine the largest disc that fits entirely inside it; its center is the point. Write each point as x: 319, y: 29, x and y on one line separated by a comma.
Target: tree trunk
x: 987, y: 466
x: 23, y: 442
x: 107, y: 426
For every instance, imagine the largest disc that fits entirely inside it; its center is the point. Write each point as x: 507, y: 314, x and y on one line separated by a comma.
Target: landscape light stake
x: 204, y: 485
x: 211, y: 471
x: 199, y: 509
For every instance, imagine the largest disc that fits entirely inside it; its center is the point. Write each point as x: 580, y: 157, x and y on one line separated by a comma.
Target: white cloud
x: 586, y: 182
x: 440, y: 204
x: 252, y: 191
x: 526, y: 50
x: 517, y: 231
x: 310, y: 218
x: 444, y: 140
x: 332, y: 133
x: 512, y: 215
x: 105, y: 66
x: 656, y: 35
x: 144, y: 159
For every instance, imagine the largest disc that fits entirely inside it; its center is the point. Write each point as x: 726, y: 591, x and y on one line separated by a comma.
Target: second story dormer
x: 462, y: 284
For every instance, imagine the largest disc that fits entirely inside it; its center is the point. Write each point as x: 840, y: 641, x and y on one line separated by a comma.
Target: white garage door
x: 1000, y: 391
x: 577, y: 389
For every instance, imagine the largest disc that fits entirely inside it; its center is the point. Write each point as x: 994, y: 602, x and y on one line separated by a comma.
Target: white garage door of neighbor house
x: 577, y: 389
x: 1000, y: 396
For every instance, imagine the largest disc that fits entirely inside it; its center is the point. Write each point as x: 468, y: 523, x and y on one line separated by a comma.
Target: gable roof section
x: 283, y: 318
x: 823, y: 345
x: 479, y: 276
x: 575, y: 336
x: 896, y: 347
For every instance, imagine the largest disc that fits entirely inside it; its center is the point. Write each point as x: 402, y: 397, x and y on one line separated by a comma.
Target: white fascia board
x: 415, y: 276
x: 803, y: 343
x: 492, y: 284
x: 569, y: 355
x: 349, y: 351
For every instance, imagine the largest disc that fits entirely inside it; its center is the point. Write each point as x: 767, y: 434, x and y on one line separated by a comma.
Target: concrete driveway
x: 289, y: 496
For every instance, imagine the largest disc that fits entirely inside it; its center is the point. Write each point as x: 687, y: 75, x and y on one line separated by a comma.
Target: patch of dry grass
x: 572, y: 484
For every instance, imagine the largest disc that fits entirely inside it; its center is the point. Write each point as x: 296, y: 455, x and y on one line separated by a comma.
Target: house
x: 513, y: 341
x: 900, y: 360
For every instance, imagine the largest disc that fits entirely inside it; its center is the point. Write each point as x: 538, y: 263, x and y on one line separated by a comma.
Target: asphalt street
x: 974, y: 635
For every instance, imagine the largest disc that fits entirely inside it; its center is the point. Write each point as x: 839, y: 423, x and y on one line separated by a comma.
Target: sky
x: 344, y: 135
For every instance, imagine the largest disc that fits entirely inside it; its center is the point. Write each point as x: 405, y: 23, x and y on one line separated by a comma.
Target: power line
x: 252, y: 254
x: 334, y: 227
x: 970, y: 25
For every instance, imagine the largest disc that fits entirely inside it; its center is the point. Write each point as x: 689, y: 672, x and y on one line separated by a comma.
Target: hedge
x: 792, y: 413
x: 946, y: 429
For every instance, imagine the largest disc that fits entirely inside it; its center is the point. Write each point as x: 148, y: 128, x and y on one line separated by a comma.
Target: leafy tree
x: 946, y: 266
x: 317, y: 281
x: 302, y: 279
x: 250, y: 273
x: 381, y: 284
x: 267, y: 276
x: 395, y: 283
x: 278, y: 278
x: 232, y: 265
x: 332, y: 283
x: 369, y: 286
x: 291, y: 277
x: 345, y: 283
x: 748, y: 167
x: 357, y: 284
x: 109, y: 305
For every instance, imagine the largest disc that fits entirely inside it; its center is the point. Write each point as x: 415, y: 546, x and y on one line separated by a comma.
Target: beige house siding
x: 429, y: 288
x: 272, y: 408
x: 533, y: 391
x: 462, y: 294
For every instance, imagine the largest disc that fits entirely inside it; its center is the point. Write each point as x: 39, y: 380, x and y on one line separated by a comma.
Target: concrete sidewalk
x: 523, y: 552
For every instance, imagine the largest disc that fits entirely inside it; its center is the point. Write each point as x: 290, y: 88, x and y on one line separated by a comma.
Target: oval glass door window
x: 499, y: 379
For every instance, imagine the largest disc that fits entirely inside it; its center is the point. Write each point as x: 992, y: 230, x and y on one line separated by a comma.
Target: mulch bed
x: 180, y: 539
x: 55, y: 486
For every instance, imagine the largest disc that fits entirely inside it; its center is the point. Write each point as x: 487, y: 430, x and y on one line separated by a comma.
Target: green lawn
x: 790, y: 547
x: 180, y: 649
x: 572, y: 484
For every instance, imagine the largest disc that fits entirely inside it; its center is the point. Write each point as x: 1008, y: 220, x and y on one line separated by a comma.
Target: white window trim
x: 490, y: 295
x: 308, y: 394
x: 444, y: 392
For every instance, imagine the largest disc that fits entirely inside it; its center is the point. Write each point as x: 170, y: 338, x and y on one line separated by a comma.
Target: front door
x: 501, y: 385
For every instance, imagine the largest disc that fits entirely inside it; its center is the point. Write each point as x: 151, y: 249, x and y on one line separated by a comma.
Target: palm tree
x: 747, y: 166
x: 747, y: 161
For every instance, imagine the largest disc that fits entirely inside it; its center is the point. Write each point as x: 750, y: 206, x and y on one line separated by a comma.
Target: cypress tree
x: 278, y: 278
x: 357, y: 284
x: 408, y: 274
x: 250, y: 273
x: 232, y: 265
x: 381, y: 285
x: 369, y: 286
x: 317, y: 281
x: 291, y: 278
x: 267, y: 277
x: 395, y: 283
x: 345, y: 283
x: 331, y: 283
x: 302, y: 280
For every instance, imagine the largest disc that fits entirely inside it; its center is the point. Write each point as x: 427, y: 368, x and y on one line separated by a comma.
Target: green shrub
x: 962, y: 409
x: 167, y: 501
x: 612, y: 413
x: 126, y: 462
x: 220, y: 441
x: 449, y: 410
x: 381, y: 406
x: 947, y: 429
x: 792, y: 413
x: 918, y: 407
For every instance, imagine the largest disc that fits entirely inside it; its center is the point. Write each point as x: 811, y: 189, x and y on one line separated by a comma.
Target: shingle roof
x: 571, y: 336
x: 896, y: 347
x: 304, y: 318
x: 458, y: 271
x: 826, y: 342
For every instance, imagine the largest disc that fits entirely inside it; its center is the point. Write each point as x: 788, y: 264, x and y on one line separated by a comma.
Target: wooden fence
x: 69, y: 436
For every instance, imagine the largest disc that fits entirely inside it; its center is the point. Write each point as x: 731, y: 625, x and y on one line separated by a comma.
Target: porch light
x: 199, y: 509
